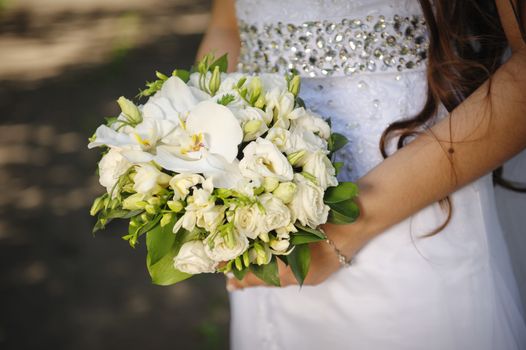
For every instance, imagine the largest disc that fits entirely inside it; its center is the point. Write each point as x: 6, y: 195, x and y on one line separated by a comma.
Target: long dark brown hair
x: 466, y: 46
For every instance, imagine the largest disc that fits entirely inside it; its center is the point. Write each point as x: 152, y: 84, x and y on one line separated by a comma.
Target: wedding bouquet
x: 222, y: 172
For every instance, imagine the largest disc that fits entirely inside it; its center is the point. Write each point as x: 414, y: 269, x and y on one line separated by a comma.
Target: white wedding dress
x: 364, y: 67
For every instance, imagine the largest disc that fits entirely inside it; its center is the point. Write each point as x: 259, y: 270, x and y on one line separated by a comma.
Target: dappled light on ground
x: 63, y: 65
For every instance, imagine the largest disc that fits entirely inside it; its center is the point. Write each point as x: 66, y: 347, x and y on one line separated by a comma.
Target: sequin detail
x: 325, y: 48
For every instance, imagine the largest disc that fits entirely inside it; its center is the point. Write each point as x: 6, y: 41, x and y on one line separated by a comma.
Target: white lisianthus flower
x: 279, y: 105
x: 248, y: 220
x: 280, y: 137
x: 252, y: 122
x: 260, y: 254
x: 279, y: 246
x: 312, y: 122
x: 284, y: 232
x: 247, y: 186
x: 181, y: 184
x: 262, y: 158
x: 210, y: 219
x: 193, y: 259
x: 305, y: 140
x: 229, y: 81
x: 149, y: 180
x: 320, y: 166
x: 225, y: 246
x: 276, y: 213
x: 111, y: 167
x: 200, y: 211
x: 307, y: 206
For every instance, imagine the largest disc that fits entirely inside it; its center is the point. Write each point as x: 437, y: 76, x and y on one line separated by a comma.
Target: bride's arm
x: 222, y: 34
x: 487, y: 128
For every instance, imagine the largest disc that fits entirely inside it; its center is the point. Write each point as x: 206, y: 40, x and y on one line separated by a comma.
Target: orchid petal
x: 136, y: 157
x: 109, y: 137
x: 178, y: 93
x: 221, y: 128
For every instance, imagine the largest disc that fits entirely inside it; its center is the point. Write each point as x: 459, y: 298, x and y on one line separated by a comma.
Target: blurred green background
x: 62, y: 66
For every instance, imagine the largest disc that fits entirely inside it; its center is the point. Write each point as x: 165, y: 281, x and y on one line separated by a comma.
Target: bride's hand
x: 324, y: 260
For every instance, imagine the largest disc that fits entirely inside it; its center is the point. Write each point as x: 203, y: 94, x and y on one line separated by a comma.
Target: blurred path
x: 62, y: 65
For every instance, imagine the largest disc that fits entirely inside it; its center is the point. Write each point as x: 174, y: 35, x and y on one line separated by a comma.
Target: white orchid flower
x: 140, y: 143
x: 173, y: 101
x: 214, y: 135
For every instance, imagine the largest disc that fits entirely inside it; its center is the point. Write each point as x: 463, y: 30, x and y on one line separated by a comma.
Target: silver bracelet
x: 344, y: 261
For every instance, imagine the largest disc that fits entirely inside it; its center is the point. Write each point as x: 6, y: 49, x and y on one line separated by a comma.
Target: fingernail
x: 230, y: 287
x: 230, y: 275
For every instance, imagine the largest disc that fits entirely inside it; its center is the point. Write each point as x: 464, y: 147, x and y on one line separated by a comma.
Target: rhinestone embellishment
x: 324, y: 48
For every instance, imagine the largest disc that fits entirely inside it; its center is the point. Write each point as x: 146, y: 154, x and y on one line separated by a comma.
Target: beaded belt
x: 324, y: 48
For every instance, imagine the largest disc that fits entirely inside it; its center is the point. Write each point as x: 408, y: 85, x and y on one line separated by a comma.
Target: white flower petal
x: 109, y: 137
x: 220, y: 127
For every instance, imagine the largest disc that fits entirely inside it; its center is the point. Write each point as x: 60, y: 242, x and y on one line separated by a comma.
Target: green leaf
x: 312, y: 231
x: 221, y: 62
x: 160, y: 241
x: 150, y: 225
x: 336, y: 142
x: 300, y: 102
x: 344, y: 191
x: 304, y: 238
x: 240, y: 274
x: 267, y: 273
x: 226, y: 99
x: 337, y: 166
x: 299, y: 262
x: 164, y: 273
x: 344, y: 212
x: 183, y: 74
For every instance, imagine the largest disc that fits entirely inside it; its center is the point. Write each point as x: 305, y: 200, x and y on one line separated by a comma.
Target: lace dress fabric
x: 455, y: 290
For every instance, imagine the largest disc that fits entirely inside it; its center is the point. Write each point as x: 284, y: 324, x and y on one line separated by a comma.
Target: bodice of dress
x: 331, y: 37
x: 362, y: 62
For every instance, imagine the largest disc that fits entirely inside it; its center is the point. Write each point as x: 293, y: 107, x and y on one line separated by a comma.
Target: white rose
x: 111, y: 167
x: 261, y: 158
x: 149, y: 180
x: 276, y: 213
x: 193, y: 259
x: 312, y: 122
x: 225, y: 246
x: 307, y: 206
x: 181, y: 184
x: 248, y: 221
x: 280, y: 137
x: 319, y: 165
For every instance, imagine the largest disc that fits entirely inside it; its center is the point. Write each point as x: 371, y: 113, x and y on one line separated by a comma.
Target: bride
x: 430, y: 111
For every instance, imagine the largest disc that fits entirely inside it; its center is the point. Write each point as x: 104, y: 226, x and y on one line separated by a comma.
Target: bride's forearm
x: 486, y: 129
x: 222, y: 34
